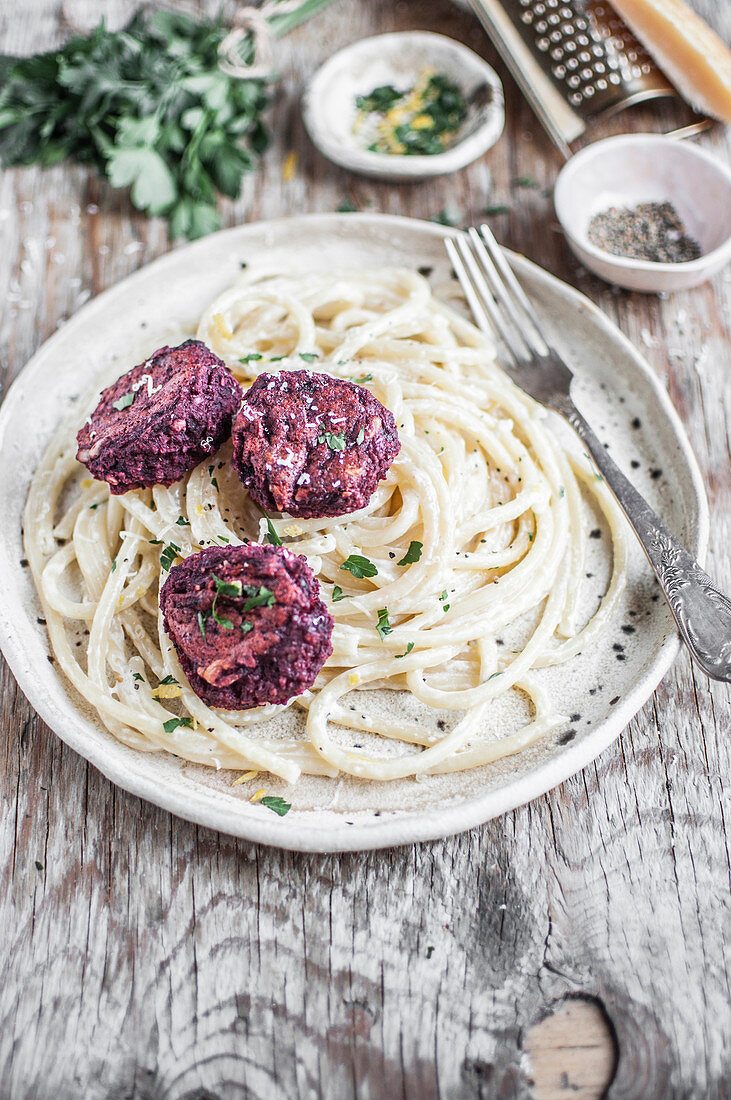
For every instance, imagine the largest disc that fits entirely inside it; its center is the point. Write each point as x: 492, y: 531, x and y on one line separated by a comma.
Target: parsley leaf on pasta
x: 174, y: 723
x: 383, y: 626
x: 412, y: 554
x: 359, y: 566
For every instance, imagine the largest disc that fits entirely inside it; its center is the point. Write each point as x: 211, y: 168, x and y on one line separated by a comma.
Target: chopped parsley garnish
x: 257, y: 597
x: 222, y: 538
x: 525, y: 181
x: 223, y: 588
x: 383, y: 626
x: 360, y: 379
x: 420, y: 120
x: 361, y: 436
x: 309, y: 356
x: 123, y: 402
x: 214, y: 483
x: 277, y: 804
x: 359, y: 566
x: 155, y: 542
x: 93, y: 506
x: 499, y: 208
x: 446, y: 217
x: 276, y: 358
x: 406, y: 652
x: 182, y: 521
x: 443, y: 597
x: 380, y: 99
x: 338, y: 594
x: 252, y: 357
x: 226, y: 588
x: 39, y: 865
x: 347, y: 206
x: 561, y: 491
x: 168, y: 556
x: 202, y: 624
x: 336, y: 442
x: 138, y: 676
x: 175, y: 723
x: 165, y: 680
x: 272, y: 537
x: 412, y: 554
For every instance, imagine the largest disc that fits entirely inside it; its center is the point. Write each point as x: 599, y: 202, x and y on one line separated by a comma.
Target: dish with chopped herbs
x: 237, y: 641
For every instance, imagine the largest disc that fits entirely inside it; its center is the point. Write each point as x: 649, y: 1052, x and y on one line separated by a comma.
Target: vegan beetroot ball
x: 247, y: 623
x: 312, y: 445
x: 160, y: 419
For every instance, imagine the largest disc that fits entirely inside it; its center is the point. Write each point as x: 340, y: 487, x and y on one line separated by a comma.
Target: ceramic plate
x: 329, y: 103
x: 601, y: 690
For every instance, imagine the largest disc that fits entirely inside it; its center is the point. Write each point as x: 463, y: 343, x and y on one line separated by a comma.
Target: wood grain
x: 143, y: 957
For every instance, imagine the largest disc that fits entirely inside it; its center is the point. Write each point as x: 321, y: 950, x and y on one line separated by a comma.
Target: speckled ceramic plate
x: 602, y: 689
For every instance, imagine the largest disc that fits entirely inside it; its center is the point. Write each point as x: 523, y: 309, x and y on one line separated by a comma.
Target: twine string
x: 251, y: 24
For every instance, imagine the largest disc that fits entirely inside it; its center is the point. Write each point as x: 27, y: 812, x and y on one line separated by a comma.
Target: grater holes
x: 590, y: 53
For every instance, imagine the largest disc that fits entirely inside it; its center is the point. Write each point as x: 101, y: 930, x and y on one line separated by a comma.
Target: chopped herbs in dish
x: 419, y: 121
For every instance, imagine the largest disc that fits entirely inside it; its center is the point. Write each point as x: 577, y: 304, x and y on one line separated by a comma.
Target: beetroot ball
x: 160, y: 419
x: 247, y: 623
x: 312, y: 445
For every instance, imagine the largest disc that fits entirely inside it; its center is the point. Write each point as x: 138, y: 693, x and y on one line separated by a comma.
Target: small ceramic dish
x: 626, y: 170
x: 330, y: 113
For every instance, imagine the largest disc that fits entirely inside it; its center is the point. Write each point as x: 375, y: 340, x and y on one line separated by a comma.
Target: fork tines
x: 495, y: 296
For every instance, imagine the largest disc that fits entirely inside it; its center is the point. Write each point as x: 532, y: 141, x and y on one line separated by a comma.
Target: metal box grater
x: 574, y: 60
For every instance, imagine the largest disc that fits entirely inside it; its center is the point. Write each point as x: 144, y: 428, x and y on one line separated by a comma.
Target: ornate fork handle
x: 702, y: 612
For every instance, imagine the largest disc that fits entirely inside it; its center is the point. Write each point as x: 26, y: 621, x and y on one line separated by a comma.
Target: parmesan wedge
x: 686, y: 49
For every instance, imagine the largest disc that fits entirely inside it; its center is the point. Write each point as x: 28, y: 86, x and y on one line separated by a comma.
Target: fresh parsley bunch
x: 149, y: 107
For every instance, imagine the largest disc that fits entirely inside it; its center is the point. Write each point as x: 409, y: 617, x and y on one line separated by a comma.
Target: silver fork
x: 500, y: 306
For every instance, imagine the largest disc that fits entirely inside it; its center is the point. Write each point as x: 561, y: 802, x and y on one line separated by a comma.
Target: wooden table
x: 577, y: 941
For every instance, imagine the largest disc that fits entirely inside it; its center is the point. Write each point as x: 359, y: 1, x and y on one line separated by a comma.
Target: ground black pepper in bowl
x: 649, y: 231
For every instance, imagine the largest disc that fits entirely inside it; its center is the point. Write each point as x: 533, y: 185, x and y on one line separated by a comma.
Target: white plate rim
x: 386, y: 831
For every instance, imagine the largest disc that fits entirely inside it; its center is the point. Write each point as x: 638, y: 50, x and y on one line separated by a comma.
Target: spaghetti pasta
x: 479, y: 530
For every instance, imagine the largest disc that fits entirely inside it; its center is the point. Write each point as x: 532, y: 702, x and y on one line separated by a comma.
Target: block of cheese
x: 686, y: 49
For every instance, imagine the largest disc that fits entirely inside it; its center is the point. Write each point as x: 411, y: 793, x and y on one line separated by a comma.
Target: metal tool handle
x: 702, y: 612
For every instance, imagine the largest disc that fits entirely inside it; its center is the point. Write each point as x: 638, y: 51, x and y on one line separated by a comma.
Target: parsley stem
x: 287, y: 21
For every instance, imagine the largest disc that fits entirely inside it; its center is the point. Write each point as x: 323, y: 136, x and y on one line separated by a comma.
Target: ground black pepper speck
x: 649, y: 231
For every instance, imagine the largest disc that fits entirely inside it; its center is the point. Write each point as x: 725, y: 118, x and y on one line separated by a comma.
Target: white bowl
x: 635, y: 168
x: 329, y: 109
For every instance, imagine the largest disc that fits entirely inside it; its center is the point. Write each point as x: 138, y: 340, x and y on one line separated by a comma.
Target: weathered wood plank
x: 146, y: 957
